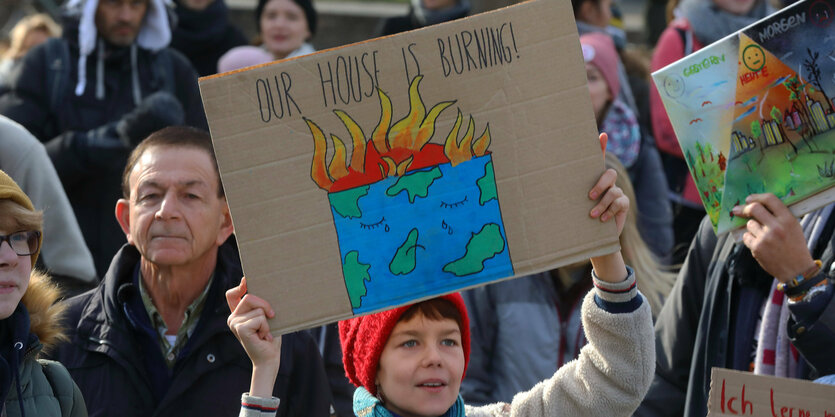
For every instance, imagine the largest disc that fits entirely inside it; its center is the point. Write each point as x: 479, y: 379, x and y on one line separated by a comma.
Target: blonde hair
x: 14, y: 217
x: 24, y: 27
x: 653, y: 281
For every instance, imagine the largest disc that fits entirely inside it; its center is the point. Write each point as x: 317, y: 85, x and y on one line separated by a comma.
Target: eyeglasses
x: 23, y: 243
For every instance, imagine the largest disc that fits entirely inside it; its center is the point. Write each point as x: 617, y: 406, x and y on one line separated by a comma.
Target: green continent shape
x: 416, y: 184
x: 405, y: 258
x: 485, y: 244
x: 355, y: 274
x: 346, y: 203
x: 487, y: 184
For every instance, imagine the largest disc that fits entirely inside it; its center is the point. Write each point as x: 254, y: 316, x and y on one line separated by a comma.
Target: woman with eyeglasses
x: 29, y: 317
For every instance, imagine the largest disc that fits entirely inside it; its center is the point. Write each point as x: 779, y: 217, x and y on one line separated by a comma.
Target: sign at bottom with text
x: 735, y: 393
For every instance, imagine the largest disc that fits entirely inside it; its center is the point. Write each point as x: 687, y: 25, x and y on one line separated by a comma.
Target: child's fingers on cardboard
x: 606, y: 181
x: 251, y: 302
x: 619, y: 206
x: 233, y: 295
x: 243, y: 321
x: 608, y: 205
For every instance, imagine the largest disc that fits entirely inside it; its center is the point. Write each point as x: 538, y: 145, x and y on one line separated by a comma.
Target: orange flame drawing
x: 395, y: 149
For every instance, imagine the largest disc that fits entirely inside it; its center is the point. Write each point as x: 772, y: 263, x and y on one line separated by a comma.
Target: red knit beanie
x: 599, y: 50
x: 363, y: 339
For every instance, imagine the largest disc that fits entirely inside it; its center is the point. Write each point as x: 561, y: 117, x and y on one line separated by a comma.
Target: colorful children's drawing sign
x: 770, y: 113
x: 402, y: 168
x: 735, y: 393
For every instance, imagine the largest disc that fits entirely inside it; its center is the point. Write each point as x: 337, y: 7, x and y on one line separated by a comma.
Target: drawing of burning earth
x: 413, y: 218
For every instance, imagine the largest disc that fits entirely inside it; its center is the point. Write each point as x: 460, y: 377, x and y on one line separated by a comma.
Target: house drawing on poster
x: 782, y: 136
x: 413, y: 218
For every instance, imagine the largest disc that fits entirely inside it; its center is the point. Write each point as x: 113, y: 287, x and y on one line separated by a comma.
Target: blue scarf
x: 367, y: 405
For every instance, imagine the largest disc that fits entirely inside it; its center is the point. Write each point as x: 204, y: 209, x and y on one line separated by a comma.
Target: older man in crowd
x: 152, y: 338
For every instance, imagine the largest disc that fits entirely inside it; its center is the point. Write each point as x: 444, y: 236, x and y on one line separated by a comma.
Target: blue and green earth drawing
x: 428, y: 232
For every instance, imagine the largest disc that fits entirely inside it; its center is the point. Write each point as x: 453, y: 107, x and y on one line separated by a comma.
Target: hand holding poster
x: 753, y: 112
x: 406, y: 167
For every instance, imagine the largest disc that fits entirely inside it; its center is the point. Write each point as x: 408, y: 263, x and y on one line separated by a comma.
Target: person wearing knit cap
x: 28, y: 320
x: 284, y: 31
x: 409, y: 361
x: 613, y: 116
x: 93, y: 94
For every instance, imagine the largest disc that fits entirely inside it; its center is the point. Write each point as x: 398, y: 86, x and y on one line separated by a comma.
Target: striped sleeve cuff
x: 619, y: 297
x: 258, y: 406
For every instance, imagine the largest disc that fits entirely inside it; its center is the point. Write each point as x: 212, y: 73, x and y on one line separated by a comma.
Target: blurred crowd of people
x: 130, y: 314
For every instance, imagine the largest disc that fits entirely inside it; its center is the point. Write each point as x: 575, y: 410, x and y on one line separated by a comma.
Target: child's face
x: 421, y: 367
x: 599, y: 91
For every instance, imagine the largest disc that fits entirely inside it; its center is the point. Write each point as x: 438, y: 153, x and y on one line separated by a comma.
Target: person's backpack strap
x: 61, y: 382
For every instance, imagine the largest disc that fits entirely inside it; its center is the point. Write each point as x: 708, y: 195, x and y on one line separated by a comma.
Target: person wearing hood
x: 93, y: 94
x: 424, y: 13
x: 284, y: 31
x: 29, y: 317
x: 204, y: 33
x: 697, y: 23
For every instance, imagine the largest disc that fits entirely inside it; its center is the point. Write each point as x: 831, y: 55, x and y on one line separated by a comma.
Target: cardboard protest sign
x: 376, y: 174
x: 753, y: 112
x: 735, y: 393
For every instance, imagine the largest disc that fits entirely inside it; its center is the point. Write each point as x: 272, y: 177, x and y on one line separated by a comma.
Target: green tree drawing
x: 756, y: 133
x: 795, y: 88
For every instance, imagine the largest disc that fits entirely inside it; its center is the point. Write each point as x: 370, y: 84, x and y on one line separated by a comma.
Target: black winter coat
x: 106, y: 358
x: 91, y: 168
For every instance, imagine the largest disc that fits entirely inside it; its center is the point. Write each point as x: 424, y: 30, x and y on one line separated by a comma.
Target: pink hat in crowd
x: 242, y: 57
x: 599, y: 50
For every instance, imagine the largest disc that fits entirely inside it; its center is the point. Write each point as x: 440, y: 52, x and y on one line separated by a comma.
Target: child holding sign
x: 409, y: 361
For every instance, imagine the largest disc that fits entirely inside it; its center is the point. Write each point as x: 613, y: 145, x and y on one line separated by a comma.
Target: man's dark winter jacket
x: 90, y: 165
x: 108, y: 351
x: 695, y: 330
x: 204, y: 36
